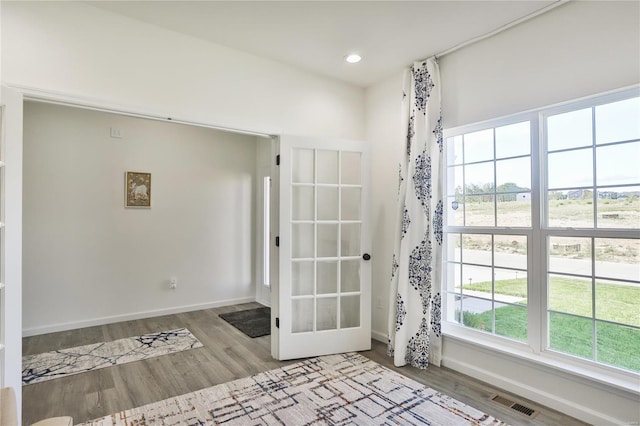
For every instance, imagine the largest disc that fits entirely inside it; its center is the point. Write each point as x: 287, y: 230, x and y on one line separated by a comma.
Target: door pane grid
x: 315, y: 242
x: 331, y: 218
x: 330, y: 312
x: 339, y: 299
x: 350, y: 217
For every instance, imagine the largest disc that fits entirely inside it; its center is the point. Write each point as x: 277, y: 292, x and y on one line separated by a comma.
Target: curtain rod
x: 502, y: 28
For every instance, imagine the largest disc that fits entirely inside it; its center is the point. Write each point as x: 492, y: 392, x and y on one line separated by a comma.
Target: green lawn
x: 616, y: 344
x: 511, y: 321
x: 513, y: 287
x: 614, y: 302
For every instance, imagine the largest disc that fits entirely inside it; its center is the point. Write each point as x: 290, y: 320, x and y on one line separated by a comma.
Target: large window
x: 489, y: 198
x: 543, y: 229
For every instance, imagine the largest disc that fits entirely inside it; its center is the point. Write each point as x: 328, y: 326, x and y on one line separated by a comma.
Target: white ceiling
x: 317, y: 35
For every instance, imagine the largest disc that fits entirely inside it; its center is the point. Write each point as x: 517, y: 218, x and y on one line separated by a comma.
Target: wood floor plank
x: 473, y: 392
x: 104, y: 400
x: 227, y: 355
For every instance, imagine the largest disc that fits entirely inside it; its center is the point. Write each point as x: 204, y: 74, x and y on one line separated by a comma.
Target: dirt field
x: 621, y: 213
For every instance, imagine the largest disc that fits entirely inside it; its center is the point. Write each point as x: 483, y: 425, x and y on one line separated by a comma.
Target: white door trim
x: 59, y: 98
x: 296, y: 345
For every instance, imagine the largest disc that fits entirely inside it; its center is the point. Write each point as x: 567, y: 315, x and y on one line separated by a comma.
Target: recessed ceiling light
x: 353, y: 58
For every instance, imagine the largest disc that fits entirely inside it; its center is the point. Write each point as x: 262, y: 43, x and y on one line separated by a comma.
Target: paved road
x: 475, y: 274
x: 613, y: 270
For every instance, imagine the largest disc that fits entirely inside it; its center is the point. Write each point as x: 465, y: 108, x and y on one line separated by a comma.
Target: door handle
x: 366, y: 256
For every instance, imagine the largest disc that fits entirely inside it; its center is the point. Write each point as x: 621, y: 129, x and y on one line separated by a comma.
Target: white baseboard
x: 34, y: 331
x: 380, y: 337
x: 521, y: 389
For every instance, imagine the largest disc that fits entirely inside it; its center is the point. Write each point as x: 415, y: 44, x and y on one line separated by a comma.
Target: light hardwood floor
x: 227, y: 355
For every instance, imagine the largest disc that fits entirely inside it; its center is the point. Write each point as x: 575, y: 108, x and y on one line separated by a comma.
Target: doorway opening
x: 193, y: 248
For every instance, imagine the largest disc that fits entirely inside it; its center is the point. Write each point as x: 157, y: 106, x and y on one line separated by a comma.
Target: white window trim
x: 600, y: 373
x: 535, y: 349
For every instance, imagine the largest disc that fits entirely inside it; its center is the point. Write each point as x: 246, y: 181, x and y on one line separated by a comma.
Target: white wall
x: 384, y: 101
x: 87, y: 259
x: 265, y: 161
x: 80, y: 50
x: 576, y: 50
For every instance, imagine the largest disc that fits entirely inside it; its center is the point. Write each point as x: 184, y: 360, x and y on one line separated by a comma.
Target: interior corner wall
x: 384, y: 101
x: 89, y: 260
x: 79, y: 50
x: 576, y: 50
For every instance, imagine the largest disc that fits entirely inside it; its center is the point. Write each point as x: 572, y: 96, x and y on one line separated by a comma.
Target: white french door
x: 324, y: 290
x: 11, y: 241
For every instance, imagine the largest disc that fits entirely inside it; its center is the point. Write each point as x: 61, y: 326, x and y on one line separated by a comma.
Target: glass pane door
x: 325, y: 282
x: 325, y: 233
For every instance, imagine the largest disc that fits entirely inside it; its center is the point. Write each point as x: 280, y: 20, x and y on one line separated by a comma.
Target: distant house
x: 575, y: 195
x: 608, y: 195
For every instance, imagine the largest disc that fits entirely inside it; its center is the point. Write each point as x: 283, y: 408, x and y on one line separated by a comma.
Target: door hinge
x: 277, y: 322
x: 278, y: 160
x: 277, y: 241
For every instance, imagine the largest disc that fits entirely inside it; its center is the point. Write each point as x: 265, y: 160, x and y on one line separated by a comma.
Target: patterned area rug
x: 51, y: 365
x: 252, y: 322
x: 334, y: 390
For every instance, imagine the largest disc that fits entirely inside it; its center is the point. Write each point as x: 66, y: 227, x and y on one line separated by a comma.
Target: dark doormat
x: 252, y: 322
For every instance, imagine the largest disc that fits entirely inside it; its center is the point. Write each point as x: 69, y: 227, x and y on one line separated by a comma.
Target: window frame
x: 532, y: 118
x: 536, y: 349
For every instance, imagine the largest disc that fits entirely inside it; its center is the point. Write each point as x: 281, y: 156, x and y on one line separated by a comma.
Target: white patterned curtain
x: 415, y: 300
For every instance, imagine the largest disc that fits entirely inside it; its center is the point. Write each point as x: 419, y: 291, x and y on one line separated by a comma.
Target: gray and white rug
x: 64, y: 362
x: 330, y: 390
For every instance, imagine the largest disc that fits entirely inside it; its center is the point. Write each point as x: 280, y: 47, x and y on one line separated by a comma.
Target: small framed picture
x: 137, y: 189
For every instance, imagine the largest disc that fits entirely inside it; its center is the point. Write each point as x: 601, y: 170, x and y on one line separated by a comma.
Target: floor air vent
x: 522, y: 409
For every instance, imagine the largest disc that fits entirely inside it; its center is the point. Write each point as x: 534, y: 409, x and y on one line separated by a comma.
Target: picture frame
x: 137, y: 190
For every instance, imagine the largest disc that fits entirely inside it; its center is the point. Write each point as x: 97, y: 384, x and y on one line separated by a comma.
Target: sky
x: 569, y: 145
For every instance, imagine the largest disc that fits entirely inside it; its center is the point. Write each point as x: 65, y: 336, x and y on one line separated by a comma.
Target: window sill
x: 567, y: 365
